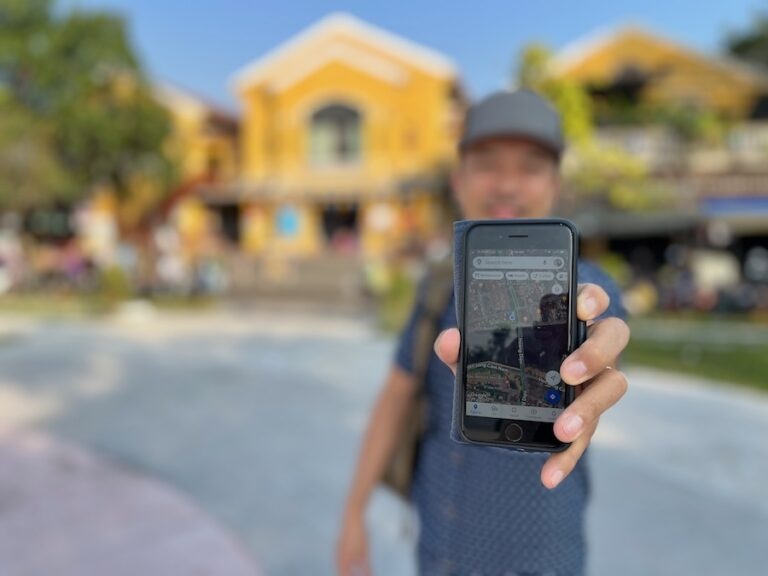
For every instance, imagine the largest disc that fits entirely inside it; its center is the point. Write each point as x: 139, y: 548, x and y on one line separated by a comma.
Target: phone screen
x: 516, y: 329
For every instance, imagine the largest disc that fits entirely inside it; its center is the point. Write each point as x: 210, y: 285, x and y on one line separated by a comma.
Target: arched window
x: 335, y: 135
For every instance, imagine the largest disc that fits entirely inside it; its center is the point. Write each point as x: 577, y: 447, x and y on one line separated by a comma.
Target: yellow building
x: 344, y: 130
x: 203, y: 145
x: 203, y: 140
x: 648, y: 91
x: 640, y: 65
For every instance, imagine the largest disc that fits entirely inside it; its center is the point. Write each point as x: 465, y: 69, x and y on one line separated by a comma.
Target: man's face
x: 506, y: 178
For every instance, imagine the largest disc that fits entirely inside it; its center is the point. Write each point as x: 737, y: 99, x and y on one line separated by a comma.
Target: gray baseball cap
x: 514, y: 113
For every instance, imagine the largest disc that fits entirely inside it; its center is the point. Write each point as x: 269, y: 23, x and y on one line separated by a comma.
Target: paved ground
x: 249, y: 423
x: 64, y: 512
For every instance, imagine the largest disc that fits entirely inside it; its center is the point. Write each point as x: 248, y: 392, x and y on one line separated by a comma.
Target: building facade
x: 699, y: 124
x: 345, y: 132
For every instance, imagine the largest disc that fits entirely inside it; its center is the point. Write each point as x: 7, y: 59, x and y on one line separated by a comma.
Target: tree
x: 31, y: 170
x: 571, y: 100
x: 750, y: 44
x: 32, y: 174
x: 110, y: 128
x: 77, y: 79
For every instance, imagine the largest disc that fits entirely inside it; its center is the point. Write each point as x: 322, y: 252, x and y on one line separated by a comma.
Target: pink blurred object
x: 65, y: 512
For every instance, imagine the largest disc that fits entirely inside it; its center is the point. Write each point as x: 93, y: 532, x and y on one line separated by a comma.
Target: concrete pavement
x: 65, y: 512
x: 253, y: 419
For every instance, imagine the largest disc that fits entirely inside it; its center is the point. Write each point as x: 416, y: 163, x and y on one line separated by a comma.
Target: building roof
x: 578, y: 51
x: 179, y: 99
x: 273, y: 63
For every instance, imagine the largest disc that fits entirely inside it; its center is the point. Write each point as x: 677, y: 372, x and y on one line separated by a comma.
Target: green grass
x: 728, y: 349
x: 732, y: 349
x: 47, y: 305
x: 184, y: 303
x: 394, y: 306
x: 737, y: 363
x: 67, y: 306
x: 756, y: 320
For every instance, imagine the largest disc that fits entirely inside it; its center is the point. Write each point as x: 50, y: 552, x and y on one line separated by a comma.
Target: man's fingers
x: 447, y: 347
x: 577, y: 424
x: 584, y: 412
x: 593, y: 360
x: 606, y: 341
x: 591, y: 302
x: 361, y: 568
x: 352, y: 550
x: 559, y: 465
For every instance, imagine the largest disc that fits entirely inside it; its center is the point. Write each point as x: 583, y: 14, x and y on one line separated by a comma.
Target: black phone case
x: 578, y: 336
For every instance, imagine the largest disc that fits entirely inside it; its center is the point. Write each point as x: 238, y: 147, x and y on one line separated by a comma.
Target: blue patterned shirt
x: 483, y: 510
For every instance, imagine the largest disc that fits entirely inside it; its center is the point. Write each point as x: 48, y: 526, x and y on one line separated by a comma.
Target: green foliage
x: 532, y: 66
x: 610, y: 176
x: 394, y: 299
x: 750, y: 44
x: 32, y: 174
x: 593, y: 171
x: 568, y: 96
x: 76, y: 82
x: 114, y: 286
x: 616, y: 267
x: 692, y: 124
x: 25, y: 31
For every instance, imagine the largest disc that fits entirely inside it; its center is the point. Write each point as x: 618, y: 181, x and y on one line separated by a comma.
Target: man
x: 486, y: 510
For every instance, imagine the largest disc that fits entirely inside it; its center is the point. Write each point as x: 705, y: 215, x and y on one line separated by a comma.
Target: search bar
x: 519, y: 262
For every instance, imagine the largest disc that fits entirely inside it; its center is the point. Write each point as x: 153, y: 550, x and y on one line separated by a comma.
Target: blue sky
x: 198, y: 45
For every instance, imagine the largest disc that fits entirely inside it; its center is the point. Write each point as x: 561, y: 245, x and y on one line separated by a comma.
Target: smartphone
x: 518, y: 323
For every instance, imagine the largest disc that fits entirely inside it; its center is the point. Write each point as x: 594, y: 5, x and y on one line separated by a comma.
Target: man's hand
x: 352, y: 547
x: 592, y: 367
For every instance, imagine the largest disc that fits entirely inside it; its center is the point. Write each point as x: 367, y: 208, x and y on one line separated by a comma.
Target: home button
x: 513, y: 432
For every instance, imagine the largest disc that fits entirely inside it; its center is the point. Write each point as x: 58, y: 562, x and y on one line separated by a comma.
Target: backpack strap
x: 437, y: 295
x: 438, y: 285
